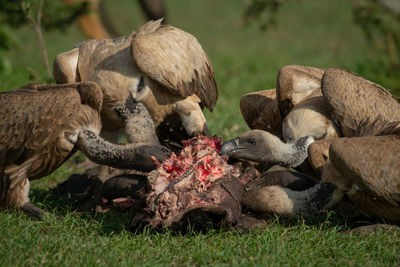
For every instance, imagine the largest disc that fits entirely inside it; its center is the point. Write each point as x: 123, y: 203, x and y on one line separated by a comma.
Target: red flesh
x: 200, y: 154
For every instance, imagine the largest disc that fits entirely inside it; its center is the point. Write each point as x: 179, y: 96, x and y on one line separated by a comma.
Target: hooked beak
x: 229, y: 147
x: 206, y: 131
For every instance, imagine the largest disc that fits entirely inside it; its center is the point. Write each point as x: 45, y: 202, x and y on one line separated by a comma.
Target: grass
x: 84, y: 242
x: 313, y: 32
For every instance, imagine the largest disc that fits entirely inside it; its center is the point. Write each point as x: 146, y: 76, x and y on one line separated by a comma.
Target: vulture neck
x: 315, y: 199
x: 289, y: 202
x: 139, y: 126
x: 294, y: 153
x: 130, y: 156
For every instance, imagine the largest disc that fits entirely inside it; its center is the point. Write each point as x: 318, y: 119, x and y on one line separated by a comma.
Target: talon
x: 33, y: 210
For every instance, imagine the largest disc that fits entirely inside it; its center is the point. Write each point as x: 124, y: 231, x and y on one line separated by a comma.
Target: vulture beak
x: 229, y: 147
x: 206, y: 131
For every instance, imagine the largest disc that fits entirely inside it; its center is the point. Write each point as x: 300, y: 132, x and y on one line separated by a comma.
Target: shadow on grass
x: 113, y: 221
x: 116, y: 221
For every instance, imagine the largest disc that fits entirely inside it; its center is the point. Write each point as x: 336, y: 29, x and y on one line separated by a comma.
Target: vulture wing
x: 175, y: 60
x: 373, y: 163
x: 356, y: 102
x: 285, y: 178
x: 260, y: 111
x: 91, y: 95
x: 32, y: 118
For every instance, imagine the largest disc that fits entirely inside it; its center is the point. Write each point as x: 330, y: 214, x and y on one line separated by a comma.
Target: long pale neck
x: 293, y: 154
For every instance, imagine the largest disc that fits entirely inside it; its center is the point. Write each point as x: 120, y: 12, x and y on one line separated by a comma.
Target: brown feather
x: 295, y: 83
x: 354, y: 100
x: 310, y: 117
x: 39, y: 125
x: 34, y: 121
x: 285, y: 178
x: 318, y: 154
x: 33, y: 124
x: 372, y: 205
x: 377, y: 127
x: 372, y: 163
x: 174, y: 59
x: 260, y: 111
x: 91, y: 95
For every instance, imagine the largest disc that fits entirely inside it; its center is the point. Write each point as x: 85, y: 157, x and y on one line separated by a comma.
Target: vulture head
x: 159, y: 65
x: 261, y: 146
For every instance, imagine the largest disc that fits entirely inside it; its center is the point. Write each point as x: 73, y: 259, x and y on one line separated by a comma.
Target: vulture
x: 364, y: 164
x: 163, y: 67
x: 41, y: 126
x: 366, y: 169
x: 296, y: 112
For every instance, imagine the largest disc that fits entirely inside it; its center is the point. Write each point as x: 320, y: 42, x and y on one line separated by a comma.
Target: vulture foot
x: 33, y: 210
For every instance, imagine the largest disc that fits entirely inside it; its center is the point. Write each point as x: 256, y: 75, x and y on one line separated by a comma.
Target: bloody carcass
x: 197, y: 187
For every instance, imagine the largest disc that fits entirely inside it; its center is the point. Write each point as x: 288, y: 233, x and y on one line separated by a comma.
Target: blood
x: 201, y: 154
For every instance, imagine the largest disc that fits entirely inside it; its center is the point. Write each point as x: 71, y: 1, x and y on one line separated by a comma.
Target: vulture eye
x: 251, y: 141
x: 140, y: 85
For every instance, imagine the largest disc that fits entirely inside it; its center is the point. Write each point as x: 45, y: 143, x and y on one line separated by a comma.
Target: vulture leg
x: 15, y: 190
x: 33, y: 210
x: 295, y: 83
x: 4, y: 184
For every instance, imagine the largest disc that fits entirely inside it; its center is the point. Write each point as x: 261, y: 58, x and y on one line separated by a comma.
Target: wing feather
x: 175, y: 60
x: 356, y: 102
x: 260, y: 111
x: 373, y: 163
x: 32, y: 118
x: 285, y: 178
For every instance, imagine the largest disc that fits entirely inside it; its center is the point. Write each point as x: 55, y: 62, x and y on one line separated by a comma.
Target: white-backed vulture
x: 295, y: 111
x: 41, y: 126
x: 366, y: 169
x: 365, y: 165
x: 358, y: 107
x: 162, y: 66
x: 348, y: 101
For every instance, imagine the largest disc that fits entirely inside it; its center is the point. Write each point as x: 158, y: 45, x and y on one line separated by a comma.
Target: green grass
x: 76, y: 240
x: 314, y: 32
